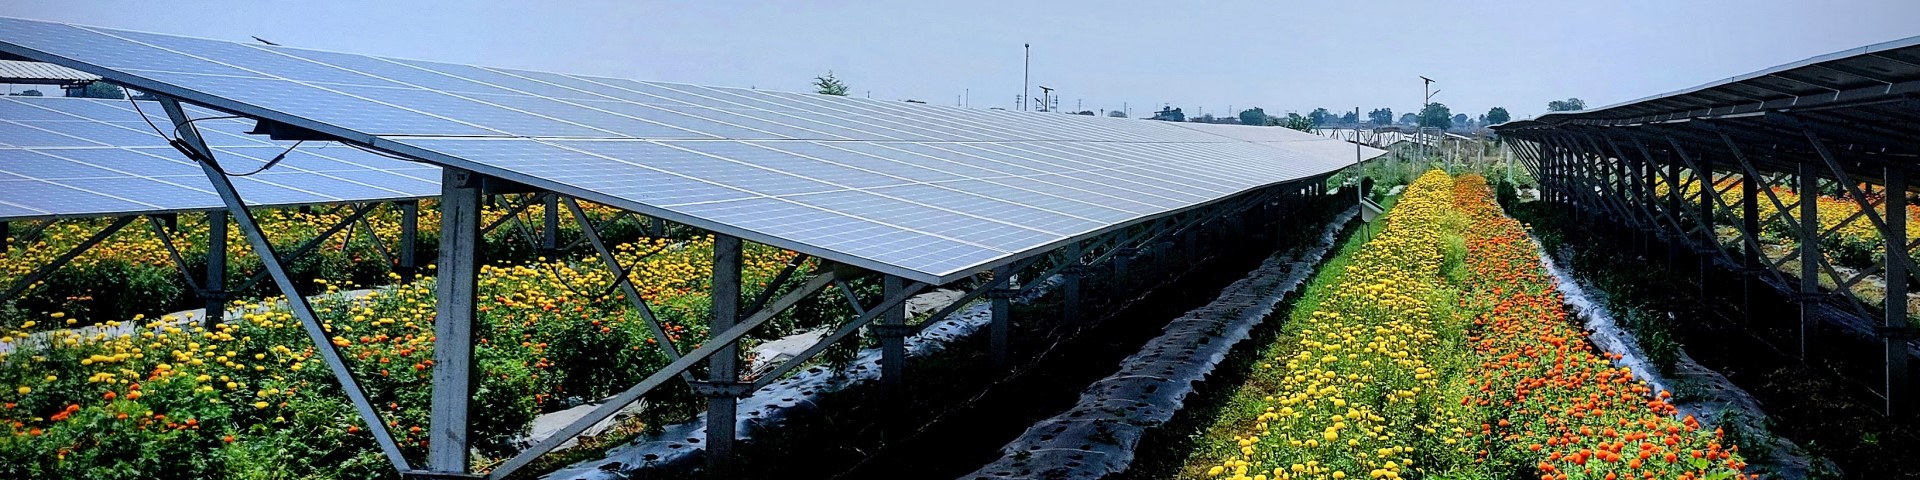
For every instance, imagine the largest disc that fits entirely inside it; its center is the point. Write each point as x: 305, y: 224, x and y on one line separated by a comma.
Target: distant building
x: 1169, y: 114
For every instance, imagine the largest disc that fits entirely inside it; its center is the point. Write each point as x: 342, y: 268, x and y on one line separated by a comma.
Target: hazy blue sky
x: 1280, y: 55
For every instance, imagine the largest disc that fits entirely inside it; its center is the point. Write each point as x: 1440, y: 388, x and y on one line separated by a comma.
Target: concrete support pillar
x: 1809, y: 217
x: 723, y: 368
x: 656, y: 227
x: 1898, y: 329
x: 453, y: 320
x: 408, y: 267
x: 216, y: 278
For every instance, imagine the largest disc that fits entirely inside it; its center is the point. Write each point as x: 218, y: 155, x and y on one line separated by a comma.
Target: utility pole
x: 1426, y: 87
x: 1026, y: 76
x: 1046, y: 99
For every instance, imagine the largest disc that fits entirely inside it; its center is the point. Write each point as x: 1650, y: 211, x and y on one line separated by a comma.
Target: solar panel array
x: 79, y: 157
x: 926, y: 192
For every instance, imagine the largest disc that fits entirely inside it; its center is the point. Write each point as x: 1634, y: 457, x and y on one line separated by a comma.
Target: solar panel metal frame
x: 397, y: 144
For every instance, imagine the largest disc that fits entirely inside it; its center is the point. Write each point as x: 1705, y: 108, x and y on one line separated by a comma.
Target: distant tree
x: 1320, y: 116
x: 1381, y: 116
x: 1436, y: 115
x: 1462, y: 120
x: 915, y: 101
x: 1297, y: 122
x: 1084, y: 112
x: 1568, y: 105
x: 31, y: 93
x: 103, y: 90
x: 1498, y: 115
x: 1203, y: 118
x: 828, y: 85
x: 1253, y: 116
x: 1409, y: 119
x: 1352, y: 117
x: 1117, y: 114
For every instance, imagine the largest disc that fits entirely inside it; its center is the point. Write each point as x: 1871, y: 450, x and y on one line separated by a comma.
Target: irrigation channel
x: 955, y: 414
x: 1742, y: 329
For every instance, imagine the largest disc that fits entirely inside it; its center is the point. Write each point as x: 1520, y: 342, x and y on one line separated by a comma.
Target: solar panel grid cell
x: 919, y: 190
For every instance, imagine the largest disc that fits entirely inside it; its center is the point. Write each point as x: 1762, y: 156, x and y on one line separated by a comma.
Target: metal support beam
x: 893, y: 342
x: 459, y: 269
x: 723, y: 368
x: 1001, y: 324
x: 719, y: 339
x: 624, y: 280
x: 41, y: 273
x: 295, y: 302
x: 1897, y: 389
x: 550, y: 226
x: 408, y: 267
x: 214, y: 290
x: 1810, y: 256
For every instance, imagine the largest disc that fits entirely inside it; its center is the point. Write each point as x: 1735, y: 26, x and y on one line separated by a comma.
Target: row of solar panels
x: 76, y: 157
x: 926, y: 192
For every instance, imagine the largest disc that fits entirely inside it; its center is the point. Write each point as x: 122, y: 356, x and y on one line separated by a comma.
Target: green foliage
x: 1117, y: 114
x: 1498, y: 115
x: 30, y: 93
x: 829, y: 85
x: 1253, y: 116
x: 1568, y: 105
x: 103, y: 90
x: 1320, y: 116
x: 1436, y: 115
x: 1297, y: 122
x: 1381, y: 116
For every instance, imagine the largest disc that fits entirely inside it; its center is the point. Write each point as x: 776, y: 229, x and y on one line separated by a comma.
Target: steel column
x: 214, y: 291
x: 1809, y: 191
x: 723, y: 368
x: 408, y: 267
x: 550, y: 225
x: 459, y: 270
x: 6, y: 236
x: 1895, y: 237
x: 893, y: 342
x: 1001, y: 326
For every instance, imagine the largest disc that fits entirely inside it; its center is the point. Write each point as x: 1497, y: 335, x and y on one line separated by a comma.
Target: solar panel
x: 922, y: 191
x: 78, y: 157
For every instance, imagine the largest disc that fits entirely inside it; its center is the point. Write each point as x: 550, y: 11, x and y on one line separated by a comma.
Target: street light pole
x: 1026, y: 76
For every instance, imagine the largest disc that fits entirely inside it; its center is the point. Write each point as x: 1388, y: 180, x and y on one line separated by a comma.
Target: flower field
x: 1440, y: 349
x: 250, y: 398
x: 131, y: 273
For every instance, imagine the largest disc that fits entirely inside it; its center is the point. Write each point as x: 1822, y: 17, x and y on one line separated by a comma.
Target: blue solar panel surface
x: 79, y: 157
x: 923, y: 191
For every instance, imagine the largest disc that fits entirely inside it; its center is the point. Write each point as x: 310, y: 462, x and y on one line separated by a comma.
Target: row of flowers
x: 1441, y: 350
x: 251, y: 397
x: 1551, y: 403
